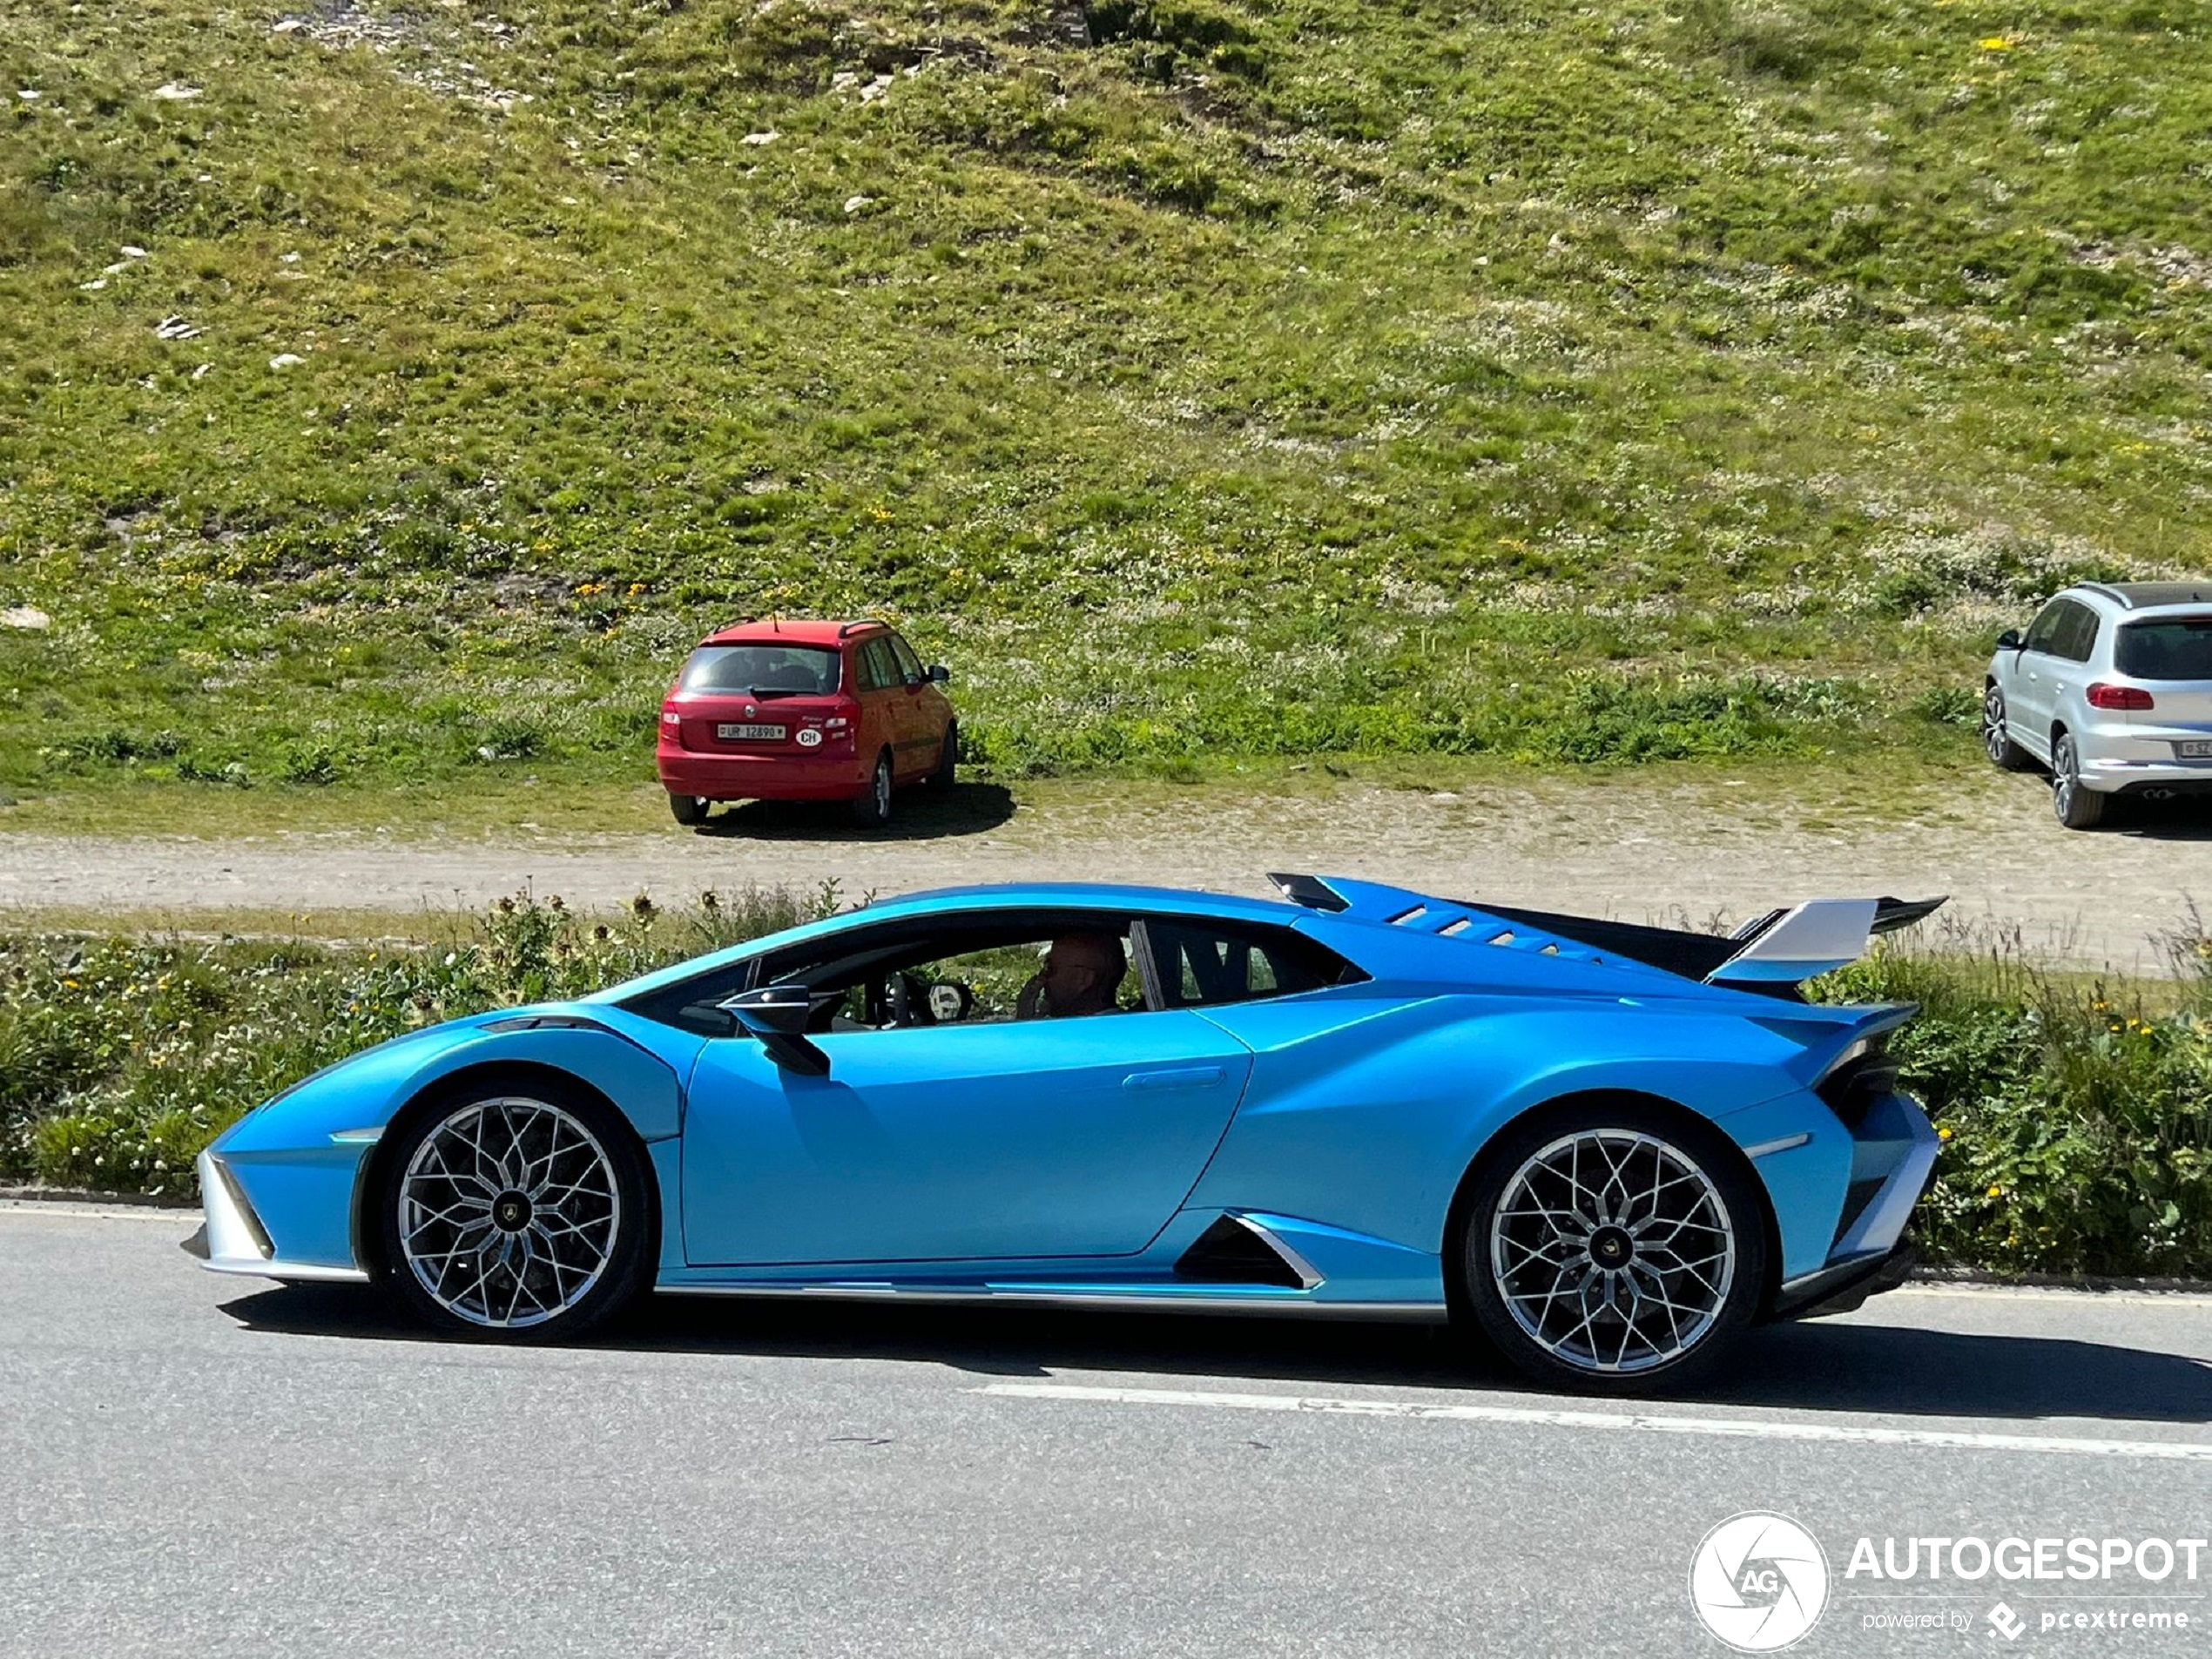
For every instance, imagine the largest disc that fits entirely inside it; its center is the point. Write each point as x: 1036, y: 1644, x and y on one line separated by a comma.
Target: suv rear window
x: 765, y: 670
x: 2179, y: 648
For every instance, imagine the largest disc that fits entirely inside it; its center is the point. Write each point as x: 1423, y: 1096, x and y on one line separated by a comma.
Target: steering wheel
x: 902, y: 1000
x: 908, y: 999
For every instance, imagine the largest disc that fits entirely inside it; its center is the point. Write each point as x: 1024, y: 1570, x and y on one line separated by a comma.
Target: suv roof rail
x: 851, y: 628
x: 2110, y: 592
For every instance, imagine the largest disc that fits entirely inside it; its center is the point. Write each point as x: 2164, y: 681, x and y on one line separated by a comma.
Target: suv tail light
x: 2102, y: 695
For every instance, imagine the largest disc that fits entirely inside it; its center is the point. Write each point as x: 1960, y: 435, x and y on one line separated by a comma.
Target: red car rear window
x: 765, y: 670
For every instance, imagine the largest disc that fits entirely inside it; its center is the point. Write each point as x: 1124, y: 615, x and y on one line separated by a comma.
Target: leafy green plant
x: 2076, y: 1117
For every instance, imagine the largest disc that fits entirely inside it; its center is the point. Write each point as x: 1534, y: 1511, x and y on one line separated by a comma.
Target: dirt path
x: 1637, y: 850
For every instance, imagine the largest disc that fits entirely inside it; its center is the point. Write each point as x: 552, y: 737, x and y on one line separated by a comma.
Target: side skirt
x: 1182, y: 1299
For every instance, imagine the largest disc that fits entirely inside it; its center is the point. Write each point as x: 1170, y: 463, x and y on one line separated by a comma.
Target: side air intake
x: 1237, y: 1251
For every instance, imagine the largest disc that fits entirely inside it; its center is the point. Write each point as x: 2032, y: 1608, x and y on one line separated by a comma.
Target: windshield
x: 2179, y: 648
x: 764, y: 671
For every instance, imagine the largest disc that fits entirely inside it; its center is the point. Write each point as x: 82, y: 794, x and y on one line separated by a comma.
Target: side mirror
x: 2010, y: 640
x: 778, y: 1015
x: 939, y: 674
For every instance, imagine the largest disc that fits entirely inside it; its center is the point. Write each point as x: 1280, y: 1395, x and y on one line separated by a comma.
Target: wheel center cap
x: 1612, y: 1247
x: 511, y: 1212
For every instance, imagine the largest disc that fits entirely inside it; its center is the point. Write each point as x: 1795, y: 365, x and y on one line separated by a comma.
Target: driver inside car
x: 1082, y: 974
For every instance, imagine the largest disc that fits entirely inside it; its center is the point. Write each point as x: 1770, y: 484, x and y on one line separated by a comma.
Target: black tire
x: 1625, y: 1348
x: 2075, y: 806
x: 689, y: 810
x: 872, y: 809
x: 1996, y: 739
x: 948, y: 757
x: 598, y: 1262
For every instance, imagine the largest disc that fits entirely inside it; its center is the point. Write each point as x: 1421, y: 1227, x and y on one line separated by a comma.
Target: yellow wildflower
x: 1996, y: 1192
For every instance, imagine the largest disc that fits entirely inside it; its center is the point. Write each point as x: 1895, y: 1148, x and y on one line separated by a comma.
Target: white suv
x: 2111, y: 689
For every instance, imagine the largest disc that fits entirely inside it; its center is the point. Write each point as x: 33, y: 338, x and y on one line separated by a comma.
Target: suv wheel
x: 689, y: 809
x: 1996, y: 741
x: 2078, y: 806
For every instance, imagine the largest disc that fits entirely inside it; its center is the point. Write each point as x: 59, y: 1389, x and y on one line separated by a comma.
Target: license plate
x: 2194, y: 749
x: 726, y: 731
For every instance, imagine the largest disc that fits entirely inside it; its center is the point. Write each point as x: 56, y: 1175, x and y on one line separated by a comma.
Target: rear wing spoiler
x: 1788, y: 947
x: 1771, y: 953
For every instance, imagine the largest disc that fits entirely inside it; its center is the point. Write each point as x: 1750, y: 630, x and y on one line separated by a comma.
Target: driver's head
x: 1081, y: 972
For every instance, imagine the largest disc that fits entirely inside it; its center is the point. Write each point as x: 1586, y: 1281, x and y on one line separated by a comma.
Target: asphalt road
x: 191, y: 1464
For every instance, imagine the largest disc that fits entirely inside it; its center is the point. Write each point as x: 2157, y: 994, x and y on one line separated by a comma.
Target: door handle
x: 1180, y: 1077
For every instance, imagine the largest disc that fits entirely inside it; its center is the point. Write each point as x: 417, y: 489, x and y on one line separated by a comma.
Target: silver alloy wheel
x: 2064, y: 765
x: 1994, y: 740
x: 882, y: 787
x: 1613, y: 1251
x: 508, y: 1212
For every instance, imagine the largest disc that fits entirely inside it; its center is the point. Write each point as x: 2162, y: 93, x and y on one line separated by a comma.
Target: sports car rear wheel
x: 517, y: 1214
x: 1610, y: 1247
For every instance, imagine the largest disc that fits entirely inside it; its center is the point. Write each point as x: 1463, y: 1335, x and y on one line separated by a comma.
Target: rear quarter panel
x: 1366, y: 1112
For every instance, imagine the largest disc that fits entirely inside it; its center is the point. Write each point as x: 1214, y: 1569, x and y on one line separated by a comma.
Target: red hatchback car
x: 804, y: 710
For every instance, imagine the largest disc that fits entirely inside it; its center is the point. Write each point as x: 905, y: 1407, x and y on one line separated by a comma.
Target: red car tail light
x: 2102, y: 695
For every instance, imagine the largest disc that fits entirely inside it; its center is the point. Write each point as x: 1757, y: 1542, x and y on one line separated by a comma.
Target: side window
x: 909, y: 664
x: 1205, y: 964
x: 2077, y: 640
x: 1021, y: 966
x: 878, y: 669
x: 2045, y: 629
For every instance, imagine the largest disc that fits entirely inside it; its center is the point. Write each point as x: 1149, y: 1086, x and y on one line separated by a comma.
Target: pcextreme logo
x: 1759, y: 1582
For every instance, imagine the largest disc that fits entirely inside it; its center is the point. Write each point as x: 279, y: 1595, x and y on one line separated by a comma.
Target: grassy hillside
x: 1662, y: 376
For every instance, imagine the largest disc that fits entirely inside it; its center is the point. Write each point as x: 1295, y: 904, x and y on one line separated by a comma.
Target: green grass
x: 2076, y: 1111
x: 1198, y: 380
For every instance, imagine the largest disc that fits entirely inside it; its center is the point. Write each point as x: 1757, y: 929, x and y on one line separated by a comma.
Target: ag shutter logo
x: 1759, y: 1582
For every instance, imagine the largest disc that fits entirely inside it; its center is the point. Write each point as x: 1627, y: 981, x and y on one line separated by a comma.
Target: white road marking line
x: 121, y: 1212
x: 1642, y: 1422
x: 2193, y: 1299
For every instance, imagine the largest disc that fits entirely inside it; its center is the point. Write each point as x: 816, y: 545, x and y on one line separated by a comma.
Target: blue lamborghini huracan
x: 1610, y: 1147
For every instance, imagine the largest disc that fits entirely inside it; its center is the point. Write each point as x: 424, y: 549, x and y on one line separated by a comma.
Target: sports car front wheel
x: 521, y: 1214
x: 1608, y: 1248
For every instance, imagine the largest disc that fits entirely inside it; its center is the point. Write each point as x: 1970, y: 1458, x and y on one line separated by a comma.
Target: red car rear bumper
x: 761, y: 777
